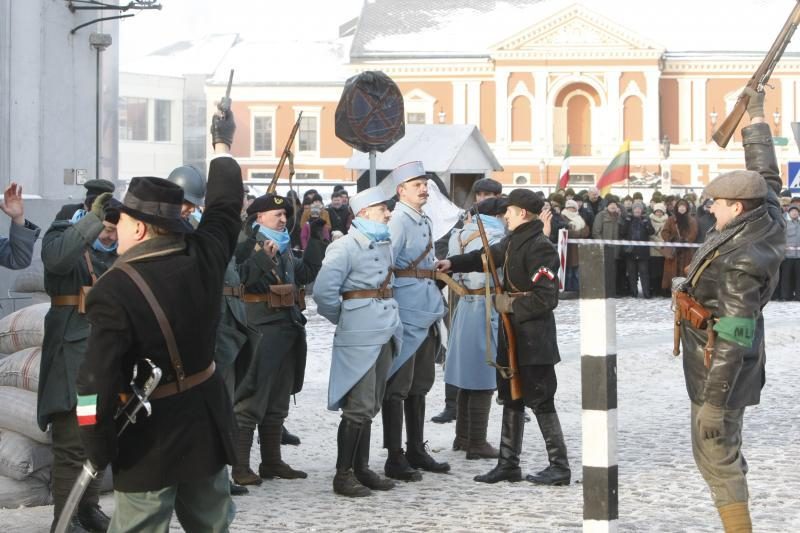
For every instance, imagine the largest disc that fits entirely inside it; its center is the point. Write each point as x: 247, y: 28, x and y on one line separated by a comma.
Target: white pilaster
x: 651, y: 110
x: 459, y: 102
x: 501, y: 108
x: 699, y: 110
x: 612, y: 123
x: 787, y: 109
x: 542, y: 133
x: 684, y: 110
x: 474, y: 102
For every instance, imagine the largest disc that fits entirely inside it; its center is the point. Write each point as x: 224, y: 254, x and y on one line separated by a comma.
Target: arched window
x: 632, y: 129
x: 521, y: 119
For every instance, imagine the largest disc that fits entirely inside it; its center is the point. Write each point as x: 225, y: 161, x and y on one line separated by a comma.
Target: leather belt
x: 238, y: 292
x: 65, y: 299
x: 517, y: 294
x: 416, y: 273
x: 475, y: 292
x: 367, y: 293
x: 254, y: 298
x: 170, y: 389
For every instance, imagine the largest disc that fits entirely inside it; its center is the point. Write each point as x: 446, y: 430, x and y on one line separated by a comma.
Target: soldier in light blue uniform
x: 421, y: 306
x: 353, y: 290
x: 466, y: 366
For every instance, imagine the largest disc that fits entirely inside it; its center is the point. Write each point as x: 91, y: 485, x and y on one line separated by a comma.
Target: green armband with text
x: 736, y: 329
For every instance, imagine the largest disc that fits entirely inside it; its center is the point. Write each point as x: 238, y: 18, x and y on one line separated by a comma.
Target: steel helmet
x: 192, y: 183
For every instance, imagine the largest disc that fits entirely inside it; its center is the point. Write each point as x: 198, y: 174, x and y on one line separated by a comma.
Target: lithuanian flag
x: 87, y: 410
x: 618, y: 170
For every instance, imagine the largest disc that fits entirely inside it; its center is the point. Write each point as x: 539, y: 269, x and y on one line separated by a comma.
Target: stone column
x: 614, y: 113
x: 652, y: 111
x: 684, y: 110
x: 459, y: 102
x: 474, y: 102
x: 699, y: 110
x: 501, y: 109
x: 543, y: 132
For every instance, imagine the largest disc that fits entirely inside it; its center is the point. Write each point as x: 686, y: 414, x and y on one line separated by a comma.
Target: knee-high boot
x: 507, y: 468
x: 364, y: 475
x: 558, y: 473
x: 461, y: 442
x: 241, y: 472
x: 272, y: 465
x: 480, y: 402
x: 417, y: 455
x: 345, y: 482
x: 396, y: 466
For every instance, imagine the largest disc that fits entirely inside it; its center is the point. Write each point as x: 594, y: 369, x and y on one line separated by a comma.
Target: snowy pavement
x: 660, y: 488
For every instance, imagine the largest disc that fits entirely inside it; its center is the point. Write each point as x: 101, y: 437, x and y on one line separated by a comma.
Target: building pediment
x: 576, y: 32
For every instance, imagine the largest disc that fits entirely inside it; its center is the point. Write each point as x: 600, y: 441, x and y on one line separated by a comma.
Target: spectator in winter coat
x: 576, y: 229
x: 680, y: 227
x: 339, y: 212
x: 658, y: 218
x: 315, y: 225
x: 705, y: 219
x: 637, y: 227
x: 606, y: 226
x: 594, y: 202
x: 790, y: 268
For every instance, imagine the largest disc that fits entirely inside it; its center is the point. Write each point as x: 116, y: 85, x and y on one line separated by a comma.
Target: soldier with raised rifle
x: 530, y: 294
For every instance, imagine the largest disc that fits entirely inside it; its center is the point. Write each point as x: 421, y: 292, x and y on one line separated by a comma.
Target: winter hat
x: 571, y: 204
x: 660, y: 207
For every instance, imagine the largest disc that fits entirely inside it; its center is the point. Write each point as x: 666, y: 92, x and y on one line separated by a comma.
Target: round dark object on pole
x: 370, y: 114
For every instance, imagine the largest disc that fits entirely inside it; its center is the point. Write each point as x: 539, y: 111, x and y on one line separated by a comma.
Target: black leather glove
x: 222, y: 128
x: 317, y: 226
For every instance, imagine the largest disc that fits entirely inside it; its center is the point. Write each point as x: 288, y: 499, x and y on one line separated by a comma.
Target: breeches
x: 417, y: 375
x: 363, y: 401
x: 539, y: 386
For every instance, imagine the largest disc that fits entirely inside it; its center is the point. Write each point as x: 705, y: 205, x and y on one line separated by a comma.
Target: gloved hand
x: 755, y: 107
x: 222, y: 128
x: 710, y: 421
x: 503, y: 302
x: 100, y: 204
x: 317, y: 225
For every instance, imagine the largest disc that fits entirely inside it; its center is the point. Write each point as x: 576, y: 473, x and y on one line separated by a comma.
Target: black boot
x: 238, y: 490
x: 74, y: 526
x: 396, y: 466
x: 288, y: 438
x: 364, y: 475
x: 347, y: 440
x: 461, y: 442
x: 272, y: 465
x: 507, y: 468
x: 480, y: 402
x: 92, y: 518
x: 241, y: 472
x: 417, y: 455
x: 448, y: 414
x: 558, y: 473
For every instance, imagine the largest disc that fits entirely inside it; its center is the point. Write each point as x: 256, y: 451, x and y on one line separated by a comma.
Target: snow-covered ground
x: 660, y: 488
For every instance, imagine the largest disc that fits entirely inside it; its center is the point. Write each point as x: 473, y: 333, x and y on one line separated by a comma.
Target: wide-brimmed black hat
x: 155, y: 201
x: 270, y: 202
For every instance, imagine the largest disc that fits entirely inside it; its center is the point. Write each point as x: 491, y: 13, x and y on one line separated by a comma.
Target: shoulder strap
x: 90, y: 266
x: 703, y: 267
x: 506, y: 272
x: 472, y: 236
x: 163, y: 323
x: 418, y: 260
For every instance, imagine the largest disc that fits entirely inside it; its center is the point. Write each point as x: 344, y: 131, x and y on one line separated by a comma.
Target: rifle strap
x: 161, y: 318
x: 422, y: 256
x: 90, y: 266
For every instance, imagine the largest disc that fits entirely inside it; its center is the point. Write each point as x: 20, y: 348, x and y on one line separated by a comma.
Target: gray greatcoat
x: 363, y: 325
x: 420, y: 301
x: 16, y: 251
x: 65, y: 330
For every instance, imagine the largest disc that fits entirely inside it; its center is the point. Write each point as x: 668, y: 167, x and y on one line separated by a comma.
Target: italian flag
x: 564, y: 176
x: 87, y: 410
x: 618, y: 170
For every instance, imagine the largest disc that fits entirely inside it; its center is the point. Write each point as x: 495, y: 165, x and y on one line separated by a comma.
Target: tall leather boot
x: 507, y: 468
x: 736, y: 518
x: 461, y: 442
x: 364, y: 475
x: 558, y: 472
x: 396, y: 466
x: 480, y: 402
x: 417, y: 455
x: 345, y: 482
x: 272, y: 465
x: 241, y: 472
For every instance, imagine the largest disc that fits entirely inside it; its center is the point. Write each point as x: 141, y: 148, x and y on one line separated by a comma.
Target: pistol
x: 225, y: 103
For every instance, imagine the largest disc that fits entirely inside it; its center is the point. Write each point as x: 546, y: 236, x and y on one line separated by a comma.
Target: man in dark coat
x: 530, y: 284
x: 175, y: 458
x: 733, y: 276
x: 273, y: 280
x: 637, y: 227
x: 75, y: 252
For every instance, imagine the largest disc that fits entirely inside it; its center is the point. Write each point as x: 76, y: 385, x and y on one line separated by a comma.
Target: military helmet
x: 192, y: 183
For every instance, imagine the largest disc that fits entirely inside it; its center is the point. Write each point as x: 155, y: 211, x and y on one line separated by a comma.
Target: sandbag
x: 30, y: 492
x: 18, y: 413
x: 20, y: 456
x: 21, y: 370
x: 23, y: 329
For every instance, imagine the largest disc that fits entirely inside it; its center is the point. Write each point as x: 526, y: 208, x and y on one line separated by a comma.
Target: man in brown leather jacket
x: 733, y: 276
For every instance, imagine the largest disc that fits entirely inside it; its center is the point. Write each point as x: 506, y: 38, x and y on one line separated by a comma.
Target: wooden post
x: 598, y: 336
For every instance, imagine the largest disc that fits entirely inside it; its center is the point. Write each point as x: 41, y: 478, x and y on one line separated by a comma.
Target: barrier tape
x: 654, y: 244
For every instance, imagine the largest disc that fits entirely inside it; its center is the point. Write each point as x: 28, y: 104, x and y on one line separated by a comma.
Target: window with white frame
x: 581, y: 179
x: 308, y: 175
x: 262, y: 133
x: 308, y: 134
x: 419, y: 107
x: 415, y: 118
x: 133, y: 114
x: 162, y: 120
x: 259, y: 175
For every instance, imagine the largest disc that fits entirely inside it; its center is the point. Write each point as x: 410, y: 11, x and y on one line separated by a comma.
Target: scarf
x: 374, y: 230
x: 715, y: 239
x: 576, y: 222
x: 493, y: 223
x: 281, y: 238
x: 658, y: 223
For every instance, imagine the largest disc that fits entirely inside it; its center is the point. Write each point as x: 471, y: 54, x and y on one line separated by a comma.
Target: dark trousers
x: 656, y: 269
x: 68, y: 458
x: 417, y: 375
x: 638, y: 270
x: 539, y: 386
x: 790, y: 279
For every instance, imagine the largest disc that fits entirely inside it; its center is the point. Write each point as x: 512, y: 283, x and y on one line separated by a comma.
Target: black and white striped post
x: 598, y: 338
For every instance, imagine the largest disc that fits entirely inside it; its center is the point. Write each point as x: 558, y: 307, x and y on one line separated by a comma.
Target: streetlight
x: 776, y: 117
x: 442, y: 115
x: 713, y: 117
x: 666, y: 179
x: 665, y: 146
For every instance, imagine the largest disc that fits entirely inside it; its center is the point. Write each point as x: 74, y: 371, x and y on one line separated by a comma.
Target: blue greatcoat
x: 466, y: 366
x: 363, y: 325
x: 420, y: 301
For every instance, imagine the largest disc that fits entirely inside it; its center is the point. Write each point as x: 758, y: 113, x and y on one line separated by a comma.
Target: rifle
x: 757, y: 82
x: 133, y: 403
x: 508, y: 327
x: 286, y: 154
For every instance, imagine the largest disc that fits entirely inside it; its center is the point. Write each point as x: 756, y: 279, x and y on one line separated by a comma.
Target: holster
x: 83, y: 293
x: 689, y: 309
x: 281, y: 296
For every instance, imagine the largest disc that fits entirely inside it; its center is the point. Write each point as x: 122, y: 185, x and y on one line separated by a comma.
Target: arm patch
x: 736, y: 329
x: 543, y: 272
